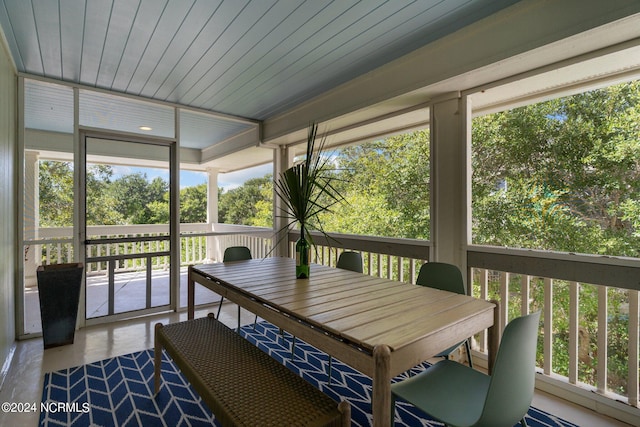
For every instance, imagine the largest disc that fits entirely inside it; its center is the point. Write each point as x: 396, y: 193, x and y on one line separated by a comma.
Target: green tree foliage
x: 386, y: 187
x: 55, y: 188
x: 193, y: 206
x: 246, y: 204
x: 561, y: 175
x: 100, y: 200
x: 129, y: 199
x: 133, y: 193
x: 263, y: 216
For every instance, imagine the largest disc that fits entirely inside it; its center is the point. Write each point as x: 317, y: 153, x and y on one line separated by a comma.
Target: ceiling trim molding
x: 246, y: 139
x: 334, y: 135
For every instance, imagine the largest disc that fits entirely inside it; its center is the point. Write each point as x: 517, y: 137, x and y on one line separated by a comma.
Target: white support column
x: 174, y: 214
x: 282, y: 160
x: 213, y: 243
x: 31, y: 215
x: 451, y: 179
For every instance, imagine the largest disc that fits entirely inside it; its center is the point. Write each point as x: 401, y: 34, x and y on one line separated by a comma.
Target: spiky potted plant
x: 307, y: 190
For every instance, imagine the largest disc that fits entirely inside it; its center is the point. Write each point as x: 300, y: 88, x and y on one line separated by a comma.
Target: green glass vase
x: 303, y: 255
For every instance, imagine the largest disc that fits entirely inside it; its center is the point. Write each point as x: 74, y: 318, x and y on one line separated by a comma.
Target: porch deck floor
x: 129, y: 290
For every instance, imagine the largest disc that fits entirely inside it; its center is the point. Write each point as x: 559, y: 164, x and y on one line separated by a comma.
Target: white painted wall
x: 8, y: 96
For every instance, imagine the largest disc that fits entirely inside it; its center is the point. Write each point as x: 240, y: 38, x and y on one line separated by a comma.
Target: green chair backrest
x: 349, y: 260
x: 236, y: 253
x: 513, y: 377
x: 443, y: 276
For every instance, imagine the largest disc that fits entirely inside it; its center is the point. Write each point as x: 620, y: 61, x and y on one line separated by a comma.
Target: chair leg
x: 329, y: 370
x: 393, y: 409
x: 523, y: 423
x: 467, y: 344
x: 238, y: 319
x: 293, y: 347
x: 219, y: 308
x: 255, y: 322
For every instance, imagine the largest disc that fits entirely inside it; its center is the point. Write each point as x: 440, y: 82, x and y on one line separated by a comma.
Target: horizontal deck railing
x: 391, y: 258
x: 589, y: 333
x: 199, y: 243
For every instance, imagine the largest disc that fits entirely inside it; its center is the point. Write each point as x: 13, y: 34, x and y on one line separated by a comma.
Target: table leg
x: 157, y: 359
x: 494, y: 337
x: 190, y: 294
x: 381, y: 393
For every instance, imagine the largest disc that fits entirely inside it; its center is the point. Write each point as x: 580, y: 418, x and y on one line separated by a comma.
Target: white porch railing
x: 199, y: 243
x: 522, y: 281
x: 588, y: 346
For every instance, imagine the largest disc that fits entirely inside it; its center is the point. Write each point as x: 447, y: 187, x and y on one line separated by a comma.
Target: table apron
x: 417, y: 352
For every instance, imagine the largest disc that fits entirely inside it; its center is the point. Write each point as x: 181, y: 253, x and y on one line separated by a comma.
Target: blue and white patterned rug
x: 119, y: 391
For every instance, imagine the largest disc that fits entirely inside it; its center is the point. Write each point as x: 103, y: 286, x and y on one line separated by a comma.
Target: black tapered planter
x: 59, y: 292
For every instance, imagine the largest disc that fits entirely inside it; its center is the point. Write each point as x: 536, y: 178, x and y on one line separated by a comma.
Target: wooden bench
x: 241, y: 384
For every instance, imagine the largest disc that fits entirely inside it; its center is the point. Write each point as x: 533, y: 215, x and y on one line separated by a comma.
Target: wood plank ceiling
x: 250, y: 60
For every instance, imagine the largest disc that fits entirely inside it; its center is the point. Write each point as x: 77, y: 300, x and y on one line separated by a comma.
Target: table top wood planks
x: 378, y: 326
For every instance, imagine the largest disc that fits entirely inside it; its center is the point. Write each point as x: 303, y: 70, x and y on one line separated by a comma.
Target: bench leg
x: 345, y: 409
x: 157, y: 358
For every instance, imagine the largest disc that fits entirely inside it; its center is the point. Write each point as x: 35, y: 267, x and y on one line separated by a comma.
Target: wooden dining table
x: 378, y: 326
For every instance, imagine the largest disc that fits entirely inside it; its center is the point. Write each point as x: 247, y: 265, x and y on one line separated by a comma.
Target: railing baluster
x: 112, y: 286
x: 603, y: 302
x: 574, y: 313
x: 484, y: 294
x: 504, y: 299
x: 525, y: 292
x: 148, y: 281
x: 634, y: 334
x: 548, y: 326
x: 412, y: 270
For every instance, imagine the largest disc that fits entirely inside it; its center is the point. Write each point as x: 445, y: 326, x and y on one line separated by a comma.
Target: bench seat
x: 241, y: 384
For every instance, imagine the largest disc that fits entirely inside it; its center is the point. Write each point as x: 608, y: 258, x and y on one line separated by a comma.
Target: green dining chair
x: 234, y: 253
x: 460, y: 396
x: 446, y: 277
x: 350, y: 260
